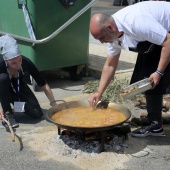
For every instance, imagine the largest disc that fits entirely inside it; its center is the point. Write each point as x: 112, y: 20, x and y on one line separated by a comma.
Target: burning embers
x: 73, y: 144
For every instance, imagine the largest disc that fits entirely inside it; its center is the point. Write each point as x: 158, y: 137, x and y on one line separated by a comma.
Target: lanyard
x: 18, y: 81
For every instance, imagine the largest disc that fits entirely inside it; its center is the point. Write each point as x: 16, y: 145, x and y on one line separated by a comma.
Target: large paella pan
x: 78, y: 115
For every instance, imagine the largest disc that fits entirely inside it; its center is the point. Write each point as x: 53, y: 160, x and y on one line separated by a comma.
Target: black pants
x: 8, y: 96
x: 154, y: 108
x: 146, y: 64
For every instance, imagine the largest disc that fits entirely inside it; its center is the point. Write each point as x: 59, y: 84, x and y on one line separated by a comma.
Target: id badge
x: 19, y: 106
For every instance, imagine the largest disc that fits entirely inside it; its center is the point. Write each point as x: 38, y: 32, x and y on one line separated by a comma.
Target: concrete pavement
x: 97, y: 58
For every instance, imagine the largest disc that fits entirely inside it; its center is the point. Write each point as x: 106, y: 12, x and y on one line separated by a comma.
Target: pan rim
x: 80, y: 128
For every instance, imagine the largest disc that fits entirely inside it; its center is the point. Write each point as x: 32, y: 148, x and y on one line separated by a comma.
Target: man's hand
x: 154, y: 78
x: 94, y: 99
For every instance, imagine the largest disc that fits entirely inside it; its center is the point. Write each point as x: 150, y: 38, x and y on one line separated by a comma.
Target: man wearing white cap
x: 13, y: 89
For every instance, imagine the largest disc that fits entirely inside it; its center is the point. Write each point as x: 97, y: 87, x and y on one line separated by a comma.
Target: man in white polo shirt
x: 143, y: 27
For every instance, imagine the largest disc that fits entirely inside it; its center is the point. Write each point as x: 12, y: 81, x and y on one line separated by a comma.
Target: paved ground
x: 32, y: 148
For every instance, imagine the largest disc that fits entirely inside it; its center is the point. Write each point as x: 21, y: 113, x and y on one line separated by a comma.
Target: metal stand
x: 102, y: 141
x: 103, y: 135
x: 59, y: 130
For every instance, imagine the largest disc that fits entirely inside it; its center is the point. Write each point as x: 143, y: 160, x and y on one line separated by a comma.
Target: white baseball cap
x: 9, y: 47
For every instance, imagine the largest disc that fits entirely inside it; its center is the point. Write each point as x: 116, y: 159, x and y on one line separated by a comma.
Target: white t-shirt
x: 144, y: 21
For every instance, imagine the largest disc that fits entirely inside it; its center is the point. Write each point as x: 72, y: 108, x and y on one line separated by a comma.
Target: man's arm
x: 165, y: 54
x: 164, y: 61
x: 108, y: 73
x: 49, y: 94
x: 1, y: 114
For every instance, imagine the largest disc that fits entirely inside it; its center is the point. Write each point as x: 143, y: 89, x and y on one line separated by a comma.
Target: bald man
x: 144, y: 28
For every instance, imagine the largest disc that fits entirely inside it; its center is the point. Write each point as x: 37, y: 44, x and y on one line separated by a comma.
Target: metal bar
x: 59, y: 130
x: 103, y: 134
x: 55, y: 32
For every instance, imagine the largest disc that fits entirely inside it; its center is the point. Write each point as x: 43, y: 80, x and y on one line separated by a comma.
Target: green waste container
x: 69, y: 48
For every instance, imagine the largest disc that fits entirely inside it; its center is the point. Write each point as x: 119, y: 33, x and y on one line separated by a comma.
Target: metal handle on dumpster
x: 55, y: 32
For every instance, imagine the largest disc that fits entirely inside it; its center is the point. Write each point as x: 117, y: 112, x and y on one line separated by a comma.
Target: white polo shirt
x: 144, y: 21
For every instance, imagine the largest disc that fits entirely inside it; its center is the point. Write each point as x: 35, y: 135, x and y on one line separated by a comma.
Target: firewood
x: 165, y: 117
x: 164, y: 114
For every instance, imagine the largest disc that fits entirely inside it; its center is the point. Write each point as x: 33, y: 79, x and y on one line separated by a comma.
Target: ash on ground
x: 74, y: 145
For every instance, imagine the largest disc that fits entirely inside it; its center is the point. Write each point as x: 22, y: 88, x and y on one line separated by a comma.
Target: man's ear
x: 108, y: 26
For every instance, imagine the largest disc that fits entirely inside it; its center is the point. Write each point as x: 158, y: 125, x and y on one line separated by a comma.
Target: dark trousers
x: 8, y: 96
x: 146, y: 64
x: 154, y: 108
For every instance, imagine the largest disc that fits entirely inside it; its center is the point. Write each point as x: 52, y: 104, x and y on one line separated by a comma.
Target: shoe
x: 10, y: 117
x: 152, y: 130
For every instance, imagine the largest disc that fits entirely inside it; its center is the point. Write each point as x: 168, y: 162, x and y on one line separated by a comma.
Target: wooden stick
x: 10, y: 128
x: 164, y: 115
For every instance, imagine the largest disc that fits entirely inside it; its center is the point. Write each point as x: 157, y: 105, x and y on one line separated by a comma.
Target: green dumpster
x: 67, y: 49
